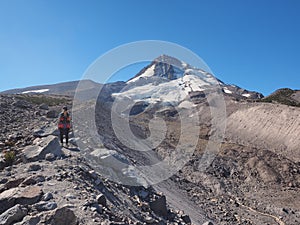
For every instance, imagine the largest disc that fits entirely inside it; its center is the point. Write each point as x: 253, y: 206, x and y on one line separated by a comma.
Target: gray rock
x: 48, y: 196
x: 29, y: 195
x: 52, y: 114
x: 159, y: 206
x: 12, y: 183
x: 73, y: 141
x: 186, y: 219
x: 101, y: 199
x: 3, y: 180
x: 46, y: 131
x: 44, y: 106
x: 2, y: 164
x: 45, y: 206
x: 143, y: 194
x: 98, y: 181
x: 208, y: 223
x: 48, y: 144
x: 34, y: 167
x: 33, y: 180
x: 24, y: 196
x: 70, y: 196
x: 29, y: 220
x: 12, y: 215
x: 97, y: 208
x: 62, y: 216
x: 50, y: 157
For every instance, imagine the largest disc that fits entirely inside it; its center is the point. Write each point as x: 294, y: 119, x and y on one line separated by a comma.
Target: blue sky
x: 251, y: 43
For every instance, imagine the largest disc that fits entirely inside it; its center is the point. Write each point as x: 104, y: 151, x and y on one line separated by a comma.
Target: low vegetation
x: 44, y: 99
x: 282, y: 96
x: 10, y: 157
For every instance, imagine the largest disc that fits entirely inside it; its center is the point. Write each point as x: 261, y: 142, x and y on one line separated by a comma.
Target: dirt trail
x: 278, y: 220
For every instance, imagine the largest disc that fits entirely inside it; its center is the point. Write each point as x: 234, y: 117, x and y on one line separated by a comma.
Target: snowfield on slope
x: 174, y: 91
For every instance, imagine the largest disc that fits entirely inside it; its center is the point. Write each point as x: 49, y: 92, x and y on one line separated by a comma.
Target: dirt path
x: 279, y: 221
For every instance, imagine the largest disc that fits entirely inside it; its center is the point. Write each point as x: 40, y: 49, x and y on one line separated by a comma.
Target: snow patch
x: 148, y: 73
x: 246, y: 95
x: 35, y: 91
x: 186, y: 105
x: 227, y: 91
x: 173, y: 91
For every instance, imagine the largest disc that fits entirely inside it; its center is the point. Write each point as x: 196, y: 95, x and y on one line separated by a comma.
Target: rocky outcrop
x: 159, y: 206
x: 49, y: 144
x: 62, y: 216
x: 13, y: 215
x: 24, y: 196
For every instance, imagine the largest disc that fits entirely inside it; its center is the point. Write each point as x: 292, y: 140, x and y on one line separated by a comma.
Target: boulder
x: 30, y: 220
x: 44, y: 106
x: 48, y: 196
x: 24, y: 196
x: 34, y: 167
x: 208, y: 223
x: 46, y: 131
x: 7, y: 199
x: 29, y: 195
x: 97, y: 208
x: 186, y: 219
x: 159, y: 206
x: 2, y: 163
x: 52, y: 114
x: 101, y: 199
x: 45, y: 206
x: 33, y: 180
x: 47, y: 145
x: 62, y: 216
x: 12, y: 184
x: 12, y: 215
x: 50, y: 157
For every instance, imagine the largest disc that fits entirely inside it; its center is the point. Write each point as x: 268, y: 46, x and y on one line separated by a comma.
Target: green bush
x: 10, y: 157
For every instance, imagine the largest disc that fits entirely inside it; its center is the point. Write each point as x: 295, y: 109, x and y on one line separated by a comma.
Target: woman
x: 64, y: 125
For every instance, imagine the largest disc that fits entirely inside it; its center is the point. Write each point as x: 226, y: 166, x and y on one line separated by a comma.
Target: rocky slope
x: 44, y: 183
x: 253, y: 177
x: 252, y: 180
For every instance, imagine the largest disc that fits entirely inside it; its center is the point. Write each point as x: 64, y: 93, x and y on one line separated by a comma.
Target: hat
x: 65, y: 108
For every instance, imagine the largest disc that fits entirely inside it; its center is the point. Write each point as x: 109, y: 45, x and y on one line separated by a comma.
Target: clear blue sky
x: 252, y: 43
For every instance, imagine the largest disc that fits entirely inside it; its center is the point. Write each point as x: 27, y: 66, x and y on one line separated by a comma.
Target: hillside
x: 284, y: 96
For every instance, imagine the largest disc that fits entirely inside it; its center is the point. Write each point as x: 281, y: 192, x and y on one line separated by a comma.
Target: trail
x: 279, y: 221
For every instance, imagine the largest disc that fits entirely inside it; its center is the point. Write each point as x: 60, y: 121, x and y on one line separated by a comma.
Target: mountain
x: 177, y: 79
x: 65, y: 88
x: 172, y: 145
x: 284, y: 96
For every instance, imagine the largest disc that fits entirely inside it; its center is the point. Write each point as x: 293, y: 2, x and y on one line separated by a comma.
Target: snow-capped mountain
x: 170, y: 80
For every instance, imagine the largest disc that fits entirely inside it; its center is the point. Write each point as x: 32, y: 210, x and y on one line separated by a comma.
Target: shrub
x: 39, y: 99
x: 10, y: 157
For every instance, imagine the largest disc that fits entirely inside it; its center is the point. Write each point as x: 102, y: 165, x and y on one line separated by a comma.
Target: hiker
x: 64, y: 125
